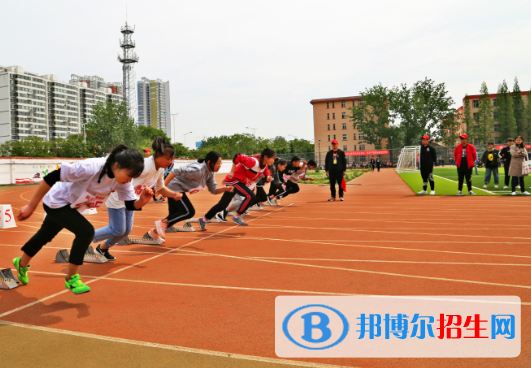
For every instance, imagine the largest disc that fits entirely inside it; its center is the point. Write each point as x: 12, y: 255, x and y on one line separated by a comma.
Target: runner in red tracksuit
x: 245, y: 169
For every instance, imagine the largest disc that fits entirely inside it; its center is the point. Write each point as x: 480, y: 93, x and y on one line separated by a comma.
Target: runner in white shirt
x: 69, y: 191
x: 120, y: 218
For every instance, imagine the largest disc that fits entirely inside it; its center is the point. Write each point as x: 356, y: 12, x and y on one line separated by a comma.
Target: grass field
x: 321, y: 178
x: 446, y: 182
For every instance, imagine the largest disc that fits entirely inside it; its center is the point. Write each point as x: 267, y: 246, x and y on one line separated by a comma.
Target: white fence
x: 32, y: 170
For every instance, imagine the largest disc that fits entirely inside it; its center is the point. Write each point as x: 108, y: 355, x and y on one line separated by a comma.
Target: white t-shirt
x: 80, y: 180
x: 150, y: 177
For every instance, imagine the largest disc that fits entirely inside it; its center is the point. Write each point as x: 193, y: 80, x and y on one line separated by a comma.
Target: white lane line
x: 383, y: 261
x: 176, y: 348
x: 483, y: 190
x: 225, y: 287
x: 122, y: 269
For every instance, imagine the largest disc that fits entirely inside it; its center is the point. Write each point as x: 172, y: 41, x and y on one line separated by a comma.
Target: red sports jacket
x: 471, y: 155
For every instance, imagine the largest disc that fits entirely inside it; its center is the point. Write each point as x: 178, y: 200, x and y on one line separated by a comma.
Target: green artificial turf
x: 449, y: 187
x: 321, y: 178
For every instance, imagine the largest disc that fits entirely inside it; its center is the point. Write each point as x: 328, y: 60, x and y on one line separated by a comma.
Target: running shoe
x: 422, y: 192
x: 459, y: 193
x: 341, y: 199
x: 255, y: 208
x: 105, y: 253
x: 246, y: 213
x: 22, y: 272
x: 526, y: 193
x: 331, y: 199
x: 219, y: 217
x: 161, y: 228
x: 496, y: 186
x: 275, y: 203
x: 485, y: 186
x: 506, y: 187
x: 259, y: 207
x: 151, y: 235
x: 269, y: 202
x: 471, y: 193
x: 238, y: 221
x: 202, y: 223
x: 75, y: 285
x: 432, y: 192
x: 513, y: 193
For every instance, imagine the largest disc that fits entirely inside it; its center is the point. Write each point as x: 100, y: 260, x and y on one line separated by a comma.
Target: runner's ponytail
x: 127, y: 158
x: 210, y: 159
x: 162, y: 148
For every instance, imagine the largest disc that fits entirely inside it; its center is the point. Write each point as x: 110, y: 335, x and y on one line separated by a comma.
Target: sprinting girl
x: 190, y: 178
x: 69, y: 191
x: 244, y: 170
x: 278, y: 186
x: 121, y: 218
x: 293, y: 173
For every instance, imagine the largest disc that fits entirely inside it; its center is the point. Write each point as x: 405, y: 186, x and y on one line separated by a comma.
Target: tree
x: 505, y: 113
x: 280, y: 145
x: 468, y: 121
x: 372, y: 117
x: 420, y: 109
x: 111, y: 125
x: 528, y: 115
x: 300, y: 146
x: 519, y: 108
x: 484, y: 116
x: 180, y: 150
x: 449, y: 129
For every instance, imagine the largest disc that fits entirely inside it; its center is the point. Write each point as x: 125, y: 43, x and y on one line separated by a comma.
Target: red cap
x: 464, y: 136
x: 335, y: 141
x: 146, y: 150
x: 425, y: 137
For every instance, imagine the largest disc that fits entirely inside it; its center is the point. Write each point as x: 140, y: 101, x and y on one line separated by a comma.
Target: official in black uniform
x: 336, y: 168
x: 373, y: 163
x: 378, y: 163
x: 427, y: 159
x: 505, y: 158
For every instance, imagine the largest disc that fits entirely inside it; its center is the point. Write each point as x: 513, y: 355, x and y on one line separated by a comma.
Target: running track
x: 207, y: 298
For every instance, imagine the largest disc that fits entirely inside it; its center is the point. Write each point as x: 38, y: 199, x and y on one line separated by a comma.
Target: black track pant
x: 226, y: 198
x: 56, y: 220
x: 179, y: 210
x: 462, y: 173
x: 261, y: 195
x: 335, y: 178
x: 514, y: 183
x: 291, y: 188
x: 506, y: 169
x: 427, y: 175
x: 276, y: 190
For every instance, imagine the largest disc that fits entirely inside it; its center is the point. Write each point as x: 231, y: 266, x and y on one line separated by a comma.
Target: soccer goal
x: 408, y: 159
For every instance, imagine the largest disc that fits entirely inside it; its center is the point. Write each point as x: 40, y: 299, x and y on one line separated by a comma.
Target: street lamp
x: 319, y: 152
x: 173, y: 126
x: 253, y: 129
x: 185, y: 134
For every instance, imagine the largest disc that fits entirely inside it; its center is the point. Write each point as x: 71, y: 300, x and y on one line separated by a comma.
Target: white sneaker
x: 496, y: 186
x: 423, y: 192
x: 275, y: 203
x: 526, y: 193
x: 506, y: 187
x: 513, y: 193
x: 471, y: 193
x: 459, y: 192
x: 432, y: 192
x: 485, y: 186
x: 517, y: 187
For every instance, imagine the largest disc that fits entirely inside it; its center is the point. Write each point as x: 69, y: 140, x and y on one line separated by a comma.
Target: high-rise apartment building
x: 41, y: 106
x: 154, y: 104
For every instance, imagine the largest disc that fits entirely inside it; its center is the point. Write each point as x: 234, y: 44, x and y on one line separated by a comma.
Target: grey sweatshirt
x: 193, y: 177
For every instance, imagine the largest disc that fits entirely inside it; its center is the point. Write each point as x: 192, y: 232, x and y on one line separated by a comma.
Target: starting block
x: 187, y: 228
x: 90, y: 256
x: 7, y: 218
x: 128, y: 241
x: 7, y: 279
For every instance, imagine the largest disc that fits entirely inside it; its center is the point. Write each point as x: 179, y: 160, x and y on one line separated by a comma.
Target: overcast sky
x: 236, y: 64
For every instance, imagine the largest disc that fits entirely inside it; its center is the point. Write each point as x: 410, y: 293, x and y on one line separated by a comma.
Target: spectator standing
x: 378, y: 163
x: 505, y: 158
x: 465, y: 155
x: 490, y: 159
x: 427, y: 159
x: 336, y: 168
x: 518, y: 155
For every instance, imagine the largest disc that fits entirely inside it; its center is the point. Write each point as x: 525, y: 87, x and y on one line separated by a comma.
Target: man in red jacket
x: 465, y: 154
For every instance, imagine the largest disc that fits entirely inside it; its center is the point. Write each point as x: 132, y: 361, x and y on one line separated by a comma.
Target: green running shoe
x: 22, y: 272
x: 76, y: 286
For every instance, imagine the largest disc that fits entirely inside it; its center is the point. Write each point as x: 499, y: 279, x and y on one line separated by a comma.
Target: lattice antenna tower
x: 128, y: 60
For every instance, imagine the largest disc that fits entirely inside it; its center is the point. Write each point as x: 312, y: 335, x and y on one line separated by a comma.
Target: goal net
x: 408, y: 159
